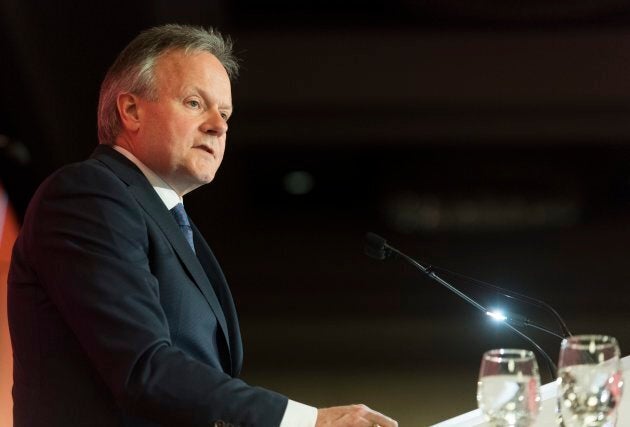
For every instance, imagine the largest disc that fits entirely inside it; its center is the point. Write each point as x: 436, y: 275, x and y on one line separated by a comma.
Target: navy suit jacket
x: 113, y: 319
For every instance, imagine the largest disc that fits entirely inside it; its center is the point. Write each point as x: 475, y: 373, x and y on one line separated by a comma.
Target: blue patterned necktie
x: 179, y: 213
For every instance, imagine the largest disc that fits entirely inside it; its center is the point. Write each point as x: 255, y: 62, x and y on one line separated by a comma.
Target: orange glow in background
x: 8, y: 234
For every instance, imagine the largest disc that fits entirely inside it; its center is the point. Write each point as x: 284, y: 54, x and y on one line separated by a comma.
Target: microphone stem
x: 563, y: 325
x: 517, y: 296
x: 550, y: 364
x: 542, y: 328
x: 441, y: 281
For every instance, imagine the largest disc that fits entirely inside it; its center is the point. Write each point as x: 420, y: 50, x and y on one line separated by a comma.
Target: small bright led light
x: 497, y: 315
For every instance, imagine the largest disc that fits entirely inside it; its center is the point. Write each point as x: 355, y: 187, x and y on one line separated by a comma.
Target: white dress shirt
x: 297, y: 414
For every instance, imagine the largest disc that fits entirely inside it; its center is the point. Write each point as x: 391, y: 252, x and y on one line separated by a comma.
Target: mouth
x: 206, y: 149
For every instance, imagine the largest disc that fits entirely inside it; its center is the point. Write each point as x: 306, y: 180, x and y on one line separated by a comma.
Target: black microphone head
x: 375, y: 246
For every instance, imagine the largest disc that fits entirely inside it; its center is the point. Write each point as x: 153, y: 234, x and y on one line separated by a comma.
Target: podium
x: 547, y: 415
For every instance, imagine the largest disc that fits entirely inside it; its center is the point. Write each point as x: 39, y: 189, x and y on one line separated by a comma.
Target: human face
x: 181, y: 135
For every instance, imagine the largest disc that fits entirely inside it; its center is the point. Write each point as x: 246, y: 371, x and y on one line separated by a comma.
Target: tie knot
x: 179, y: 213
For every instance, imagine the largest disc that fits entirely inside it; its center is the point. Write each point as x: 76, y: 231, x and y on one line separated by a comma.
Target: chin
x: 207, y: 179
x: 202, y: 176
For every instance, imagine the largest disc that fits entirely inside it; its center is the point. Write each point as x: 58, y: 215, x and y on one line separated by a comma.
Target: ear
x: 127, y: 105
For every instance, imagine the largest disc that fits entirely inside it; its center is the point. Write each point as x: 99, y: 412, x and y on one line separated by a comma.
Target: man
x: 119, y: 312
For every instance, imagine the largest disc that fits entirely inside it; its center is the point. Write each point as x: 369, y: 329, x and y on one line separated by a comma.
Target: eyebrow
x: 227, y: 107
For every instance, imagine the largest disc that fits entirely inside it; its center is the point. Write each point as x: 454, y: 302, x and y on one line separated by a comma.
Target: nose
x: 214, y: 124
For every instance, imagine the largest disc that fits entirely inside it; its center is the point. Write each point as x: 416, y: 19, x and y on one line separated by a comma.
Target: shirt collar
x: 168, y: 196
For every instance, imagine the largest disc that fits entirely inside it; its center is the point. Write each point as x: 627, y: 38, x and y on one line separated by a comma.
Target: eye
x: 193, y: 103
x: 225, y: 116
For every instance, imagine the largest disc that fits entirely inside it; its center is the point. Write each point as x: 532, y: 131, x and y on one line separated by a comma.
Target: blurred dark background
x: 490, y: 138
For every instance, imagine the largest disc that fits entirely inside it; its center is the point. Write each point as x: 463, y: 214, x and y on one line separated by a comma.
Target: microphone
x: 377, y: 247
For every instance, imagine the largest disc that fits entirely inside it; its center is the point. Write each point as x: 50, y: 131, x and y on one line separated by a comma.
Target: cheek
x: 222, y: 148
x: 221, y: 153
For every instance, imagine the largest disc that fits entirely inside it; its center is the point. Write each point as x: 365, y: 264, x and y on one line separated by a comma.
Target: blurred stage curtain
x: 8, y: 233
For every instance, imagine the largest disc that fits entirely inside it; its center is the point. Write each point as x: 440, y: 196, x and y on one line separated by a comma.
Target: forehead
x: 177, y: 69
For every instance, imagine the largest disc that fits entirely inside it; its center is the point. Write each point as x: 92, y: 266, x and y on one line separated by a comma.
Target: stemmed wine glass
x: 508, y: 391
x: 589, y: 381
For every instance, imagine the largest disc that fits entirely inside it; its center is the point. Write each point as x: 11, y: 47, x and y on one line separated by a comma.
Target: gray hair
x: 133, y: 70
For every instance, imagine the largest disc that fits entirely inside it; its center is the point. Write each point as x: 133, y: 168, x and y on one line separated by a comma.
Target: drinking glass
x: 589, y: 380
x: 508, y: 391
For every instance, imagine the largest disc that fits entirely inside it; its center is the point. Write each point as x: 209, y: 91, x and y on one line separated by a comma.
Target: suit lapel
x: 222, y: 290
x: 146, y: 196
